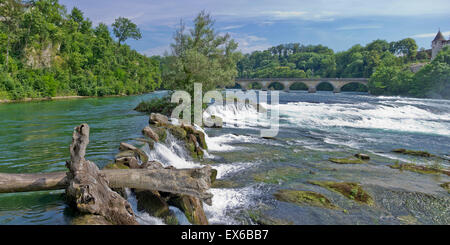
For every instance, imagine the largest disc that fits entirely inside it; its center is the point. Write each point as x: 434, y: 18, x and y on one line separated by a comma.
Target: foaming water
x: 171, y: 153
x: 227, y: 203
x: 224, y: 170
x: 405, y: 118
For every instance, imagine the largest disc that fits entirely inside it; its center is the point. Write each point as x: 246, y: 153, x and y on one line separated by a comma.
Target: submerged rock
x: 362, y: 156
x: 278, y: 175
x: 413, y: 153
x: 446, y: 186
x: 261, y: 219
x: 350, y: 160
x: 420, y: 169
x: 304, y: 198
x: 351, y: 190
x: 225, y: 184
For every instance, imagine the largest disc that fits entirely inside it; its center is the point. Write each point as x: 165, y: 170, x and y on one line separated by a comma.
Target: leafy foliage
x: 54, y: 53
x: 200, y: 56
x: 433, y: 80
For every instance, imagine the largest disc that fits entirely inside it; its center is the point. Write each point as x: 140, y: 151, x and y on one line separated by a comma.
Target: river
x: 35, y: 136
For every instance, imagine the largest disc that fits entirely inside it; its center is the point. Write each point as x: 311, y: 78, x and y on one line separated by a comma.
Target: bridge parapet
x: 311, y: 83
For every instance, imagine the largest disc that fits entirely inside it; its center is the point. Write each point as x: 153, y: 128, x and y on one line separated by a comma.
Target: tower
x: 437, y: 44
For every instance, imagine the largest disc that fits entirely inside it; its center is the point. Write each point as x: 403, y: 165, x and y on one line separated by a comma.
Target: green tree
x: 200, y: 56
x: 10, y: 12
x: 123, y: 29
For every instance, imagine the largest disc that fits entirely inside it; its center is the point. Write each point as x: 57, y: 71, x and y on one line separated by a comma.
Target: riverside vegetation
x: 46, y: 51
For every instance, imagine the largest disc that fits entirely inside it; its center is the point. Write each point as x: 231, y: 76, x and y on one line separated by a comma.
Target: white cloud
x: 231, y: 27
x: 249, y: 43
x: 358, y: 27
x: 160, y: 50
x: 428, y: 35
x: 285, y: 14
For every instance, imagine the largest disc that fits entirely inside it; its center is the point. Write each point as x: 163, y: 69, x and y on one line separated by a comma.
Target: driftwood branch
x: 195, y: 181
x: 89, y: 189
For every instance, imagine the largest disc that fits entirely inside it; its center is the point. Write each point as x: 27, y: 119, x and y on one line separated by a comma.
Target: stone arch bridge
x: 311, y: 83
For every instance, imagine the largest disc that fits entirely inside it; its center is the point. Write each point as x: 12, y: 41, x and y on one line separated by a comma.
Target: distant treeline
x: 387, y: 64
x: 45, y: 51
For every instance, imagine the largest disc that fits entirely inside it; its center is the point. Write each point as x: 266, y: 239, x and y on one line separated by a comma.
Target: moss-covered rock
x: 161, y: 132
x: 278, y: 175
x: 201, y: 139
x: 304, y: 198
x: 420, y: 168
x: 349, y: 160
x: 225, y: 184
x: 413, y: 153
x: 446, y: 186
x: 178, y: 132
x: 261, y: 219
x: 351, y: 190
x: 192, y: 208
x: 213, y: 175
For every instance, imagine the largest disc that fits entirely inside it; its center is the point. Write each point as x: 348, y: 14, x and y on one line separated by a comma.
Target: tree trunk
x: 88, y: 188
x: 32, y: 182
x: 193, y: 182
x: 7, y: 54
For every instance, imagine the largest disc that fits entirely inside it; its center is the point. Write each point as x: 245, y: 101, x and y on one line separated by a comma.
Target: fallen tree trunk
x: 195, y: 182
x: 10, y: 183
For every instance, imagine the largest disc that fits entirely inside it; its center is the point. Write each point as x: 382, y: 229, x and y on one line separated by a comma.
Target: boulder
x: 192, y: 208
x: 127, y: 147
x: 201, y: 139
x: 178, y: 132
x: 158, y: 119
x: 147, y: 131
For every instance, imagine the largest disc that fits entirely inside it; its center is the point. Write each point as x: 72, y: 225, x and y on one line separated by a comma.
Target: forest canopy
x: 46, y: 51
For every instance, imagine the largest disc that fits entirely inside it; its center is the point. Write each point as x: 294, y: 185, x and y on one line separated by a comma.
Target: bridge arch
x: 276, y: 86
x: 325, y: 86
x: 298, y: 86
x: 255, y: 85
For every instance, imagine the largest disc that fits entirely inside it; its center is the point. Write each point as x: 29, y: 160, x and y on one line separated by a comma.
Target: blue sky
x: 260, y: 24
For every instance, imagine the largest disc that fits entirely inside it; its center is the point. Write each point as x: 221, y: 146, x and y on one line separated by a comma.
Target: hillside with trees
x: 46, y: 51
x: 386, y: 64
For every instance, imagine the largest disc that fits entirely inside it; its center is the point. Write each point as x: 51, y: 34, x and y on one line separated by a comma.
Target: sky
x: 260, y: 24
